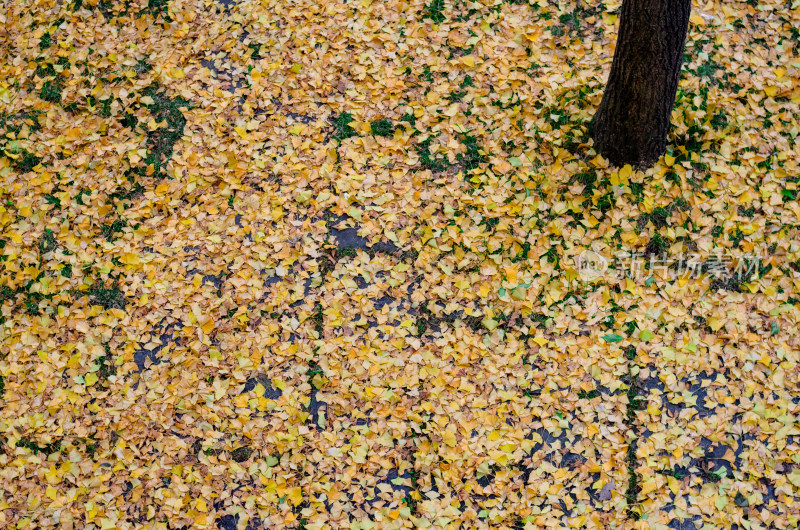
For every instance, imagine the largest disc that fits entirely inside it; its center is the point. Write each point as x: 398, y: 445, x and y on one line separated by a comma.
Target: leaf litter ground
x: 305, y: 265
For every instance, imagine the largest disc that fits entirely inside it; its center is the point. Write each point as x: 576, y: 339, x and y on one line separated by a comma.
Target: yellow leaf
x: 130, y: 259
x: 609, y: 19
x: 697, y: 19
x: 355, y: 213
x: 519, y: 293
x: 625, y: 173
x: 501, y: 166
x: 508, y: 447
x: 648, y: 486
x: 674, y: 485
x: 489, y: 323
x: 449, y: 438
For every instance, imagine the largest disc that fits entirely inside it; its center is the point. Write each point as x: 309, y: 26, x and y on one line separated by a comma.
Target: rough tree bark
x: 631, y: 124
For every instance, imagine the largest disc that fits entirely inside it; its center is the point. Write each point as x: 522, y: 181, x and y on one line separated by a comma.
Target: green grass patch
x: 13, y: 123
x: 46, y: 41
x: 657, y: 246
x: 25, y: 162
x: 241, y: 454
x: 106, y: 297
x: 436, y: 163
x: 157, y: 8
x: 35, y: 448
x: 382, y: 127
x: 161, y: 142
x: 435, y: 11
x: 342, y: 129
x: 110, y: 230
x: 409, y: 118
x: 474, y: 155
x: 51, y: 90
x: 47, y: 243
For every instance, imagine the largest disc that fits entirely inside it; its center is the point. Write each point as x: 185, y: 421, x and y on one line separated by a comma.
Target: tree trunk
x: 631, y: 124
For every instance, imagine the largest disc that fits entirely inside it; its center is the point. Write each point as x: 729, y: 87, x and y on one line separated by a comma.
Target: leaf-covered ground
x: 315, y: 265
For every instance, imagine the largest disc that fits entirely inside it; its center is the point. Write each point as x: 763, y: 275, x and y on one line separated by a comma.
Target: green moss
x: 107, y: 297
x: 13, y: 123
x: 107, y: 368
x: 736, y: 237
x: 456, y: 95
x: 428, y: 160
x: 35, y: 448
x: 382, y: 127
x: 51, y: 88
x: 256, y: 49
x: 126, y: 194
x: 474, y: 155
x: 109, y: 230
x: 435, y: 11
x: 409, y: 118
x: 110, y: 8
x: 47, y: 243
x: 26, y: 162
x: 161, y: 142
x: 241, y: 454
x: 657, y: 246
x: 46, y: 41
x: 342, y: 128
x: 637, y: 189
x: 318, y: 318
x: 719, y: 120
x: 79, y: 197
x: 522, y: 254
x: 156, y: 8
